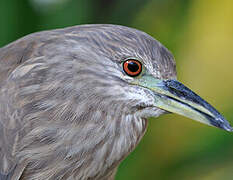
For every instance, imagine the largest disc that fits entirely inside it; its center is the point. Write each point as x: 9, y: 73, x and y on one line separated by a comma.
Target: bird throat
x: 113, y: 142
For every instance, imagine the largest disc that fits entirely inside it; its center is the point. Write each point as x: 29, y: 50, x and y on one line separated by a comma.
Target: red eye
x: 132, y: 67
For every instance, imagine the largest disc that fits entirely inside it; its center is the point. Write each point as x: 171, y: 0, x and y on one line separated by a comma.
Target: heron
x: 74, y: 102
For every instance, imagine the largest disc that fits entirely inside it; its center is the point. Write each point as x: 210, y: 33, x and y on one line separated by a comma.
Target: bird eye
x: 132, y: 67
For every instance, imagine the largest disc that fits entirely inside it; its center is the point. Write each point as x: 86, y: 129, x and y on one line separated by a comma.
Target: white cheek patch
x: 139, y: 95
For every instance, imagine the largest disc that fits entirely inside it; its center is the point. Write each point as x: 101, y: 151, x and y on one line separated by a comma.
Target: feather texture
x: 66, y: 111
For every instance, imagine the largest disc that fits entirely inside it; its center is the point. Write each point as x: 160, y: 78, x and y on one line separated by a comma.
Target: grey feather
x: 6, y: 177
x: 65, y: 112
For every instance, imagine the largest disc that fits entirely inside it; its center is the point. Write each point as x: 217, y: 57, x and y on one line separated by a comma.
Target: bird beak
x: 173, y: 96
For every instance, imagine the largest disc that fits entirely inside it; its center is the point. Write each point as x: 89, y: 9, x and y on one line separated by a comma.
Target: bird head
x: 81, y: 97
x: 135, y: 74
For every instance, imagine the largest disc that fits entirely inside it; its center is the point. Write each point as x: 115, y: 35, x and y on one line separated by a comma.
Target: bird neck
x: 105, y: 144
x: 84, y: 146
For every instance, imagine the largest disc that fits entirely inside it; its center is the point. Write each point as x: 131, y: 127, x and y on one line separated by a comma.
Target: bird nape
x: 75, y: 101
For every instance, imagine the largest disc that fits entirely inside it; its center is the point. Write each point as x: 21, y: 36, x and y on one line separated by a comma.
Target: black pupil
x: 133, y: 67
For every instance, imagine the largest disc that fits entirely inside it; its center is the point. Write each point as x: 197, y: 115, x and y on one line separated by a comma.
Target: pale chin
x: 148, y: 112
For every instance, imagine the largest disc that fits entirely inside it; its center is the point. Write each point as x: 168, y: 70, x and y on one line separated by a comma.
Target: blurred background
x: 200, y: 35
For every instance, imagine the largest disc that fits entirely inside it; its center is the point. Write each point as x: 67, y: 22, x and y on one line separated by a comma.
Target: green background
x: 200, y: 35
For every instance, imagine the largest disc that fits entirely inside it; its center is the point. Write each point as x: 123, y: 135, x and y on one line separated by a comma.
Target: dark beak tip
x: 228, y: 128
x: 221, y: 123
